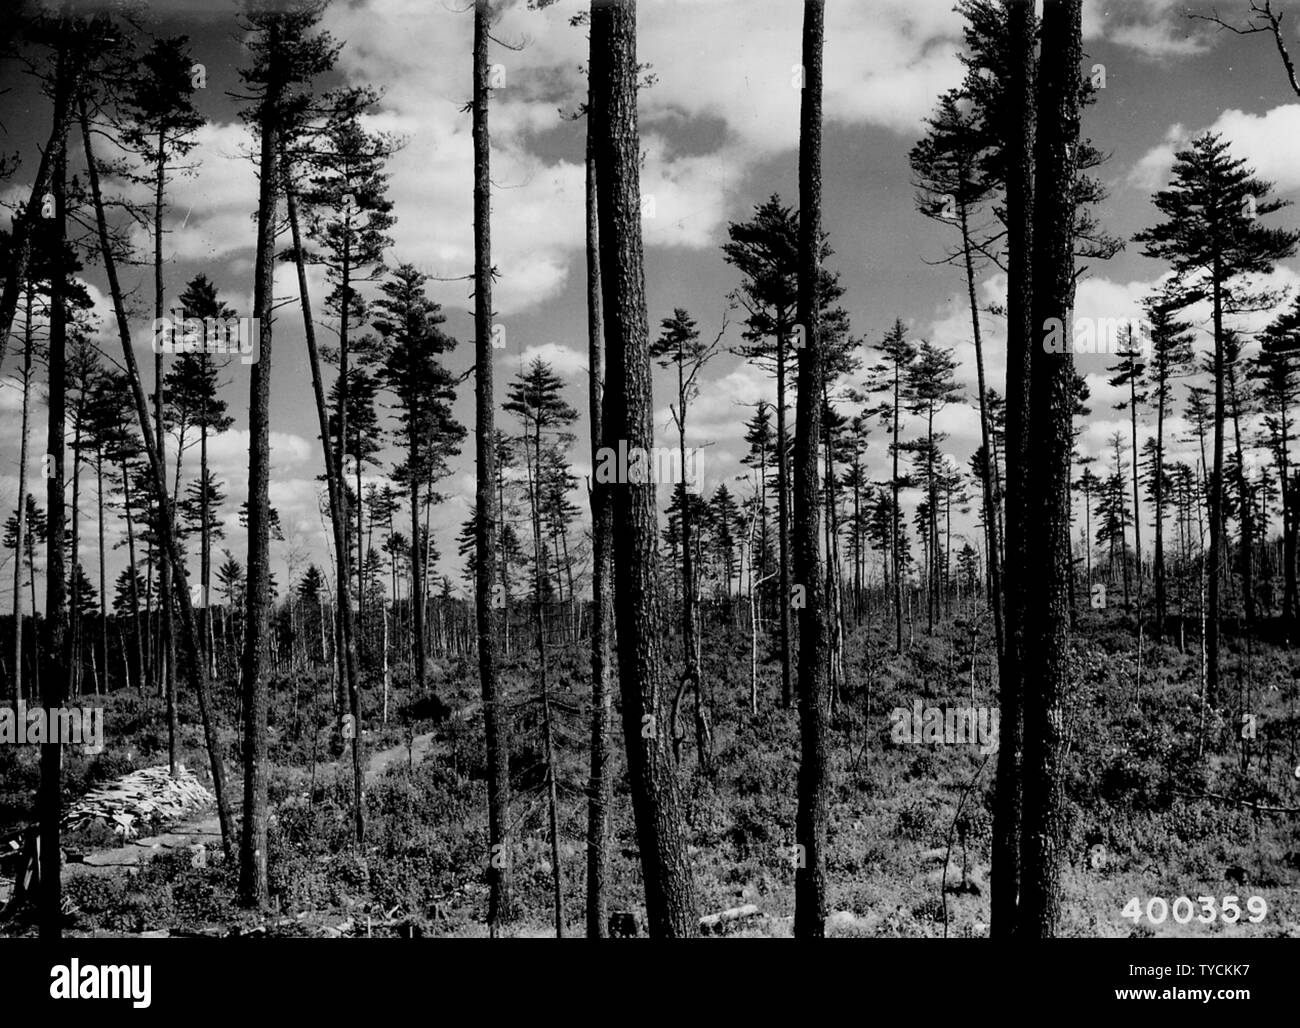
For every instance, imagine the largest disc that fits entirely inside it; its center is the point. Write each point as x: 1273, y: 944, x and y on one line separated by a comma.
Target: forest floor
x: 203, y: 830
x: 1163, y: 800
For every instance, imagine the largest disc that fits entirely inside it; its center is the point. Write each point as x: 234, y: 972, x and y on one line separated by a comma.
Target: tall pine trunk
x: 167, y: 643
x: 810, y: 820
x: 893, y: 520
x: 103, y: 574
x: 986, y: 472
x: 1158, y: 554
x: 656, y: 800
x: 1050, y: 442
x: 20, y: 541
x: 1216, y: 517
x: 1137, y: 499
x: 1017, y: 127
x: 783, y: 521
x: 495, y: 723
x: 53, y: 681
x: 338, y: 512
x: 252, y: 855
x: 599, y: 785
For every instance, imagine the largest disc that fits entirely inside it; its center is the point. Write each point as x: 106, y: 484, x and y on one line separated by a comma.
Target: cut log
x: 721, y: 922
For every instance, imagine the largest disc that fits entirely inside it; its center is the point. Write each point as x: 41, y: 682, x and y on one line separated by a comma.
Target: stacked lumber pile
x: 132, y: 801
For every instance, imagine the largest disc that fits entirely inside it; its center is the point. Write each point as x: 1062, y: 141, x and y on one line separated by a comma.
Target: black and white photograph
x: 649, y: 469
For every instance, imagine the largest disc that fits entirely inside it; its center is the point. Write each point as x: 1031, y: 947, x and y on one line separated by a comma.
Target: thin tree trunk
x: 1017, y: 130
x: 557, y: 868
x: 1244, y: 501
x: 783, y: 522
x: 167, y: 642
x: 338, y: 513
x: 1216, y: 496
x: 198, y: 677
x: 135, y: 587
x: 893, y: 523
x: 49, y: 795
x: 103, y: 576
x: 986, y: 472
x: 253, y: 844
x: 599, y: 785
x: 1137, y: 500
x: 74, y: 549
x: 1158, y: 571
x: 20, y: 538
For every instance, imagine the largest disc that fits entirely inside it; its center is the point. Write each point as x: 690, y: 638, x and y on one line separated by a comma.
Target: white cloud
x: 1156, y: 29
x: 566, y: 361
x: 1269, y: 142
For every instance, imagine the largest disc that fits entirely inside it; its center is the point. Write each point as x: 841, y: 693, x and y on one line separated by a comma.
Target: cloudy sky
x: 720, y: 131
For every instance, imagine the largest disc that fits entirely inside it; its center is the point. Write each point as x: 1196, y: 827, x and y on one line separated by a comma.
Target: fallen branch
x: 1261, y: 807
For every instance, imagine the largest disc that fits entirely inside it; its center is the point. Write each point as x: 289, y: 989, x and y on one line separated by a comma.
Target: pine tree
x: 287, y: 51
x: 1130, y: 371
x: 194, y: 386
x: 1276, y: 369
x: 534, y: 397
x: 680, y: 346
x: 161, y: 132
x: 725, y: 515
x: 408, y: 323
x: 761, y: 442
x: 931, y: 387
x: 949, y: 165
x: 1213, y: 238
x: 1171, y: 355
x: 891, y: 378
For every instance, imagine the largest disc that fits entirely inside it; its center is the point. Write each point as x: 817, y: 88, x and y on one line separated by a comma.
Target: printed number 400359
x: 1157, y: 910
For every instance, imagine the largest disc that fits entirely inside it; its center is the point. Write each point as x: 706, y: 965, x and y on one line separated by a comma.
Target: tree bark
x: 656, y: 802
x: 20, y: 541
x: 1216, y: 498
x: 167, y: 643
x: 810, y: 821
x: 599, y: 785
x: 986, y: 475
x: 1052, y: 394
x: 783, y: 521
x: 1017, y: 139
x: 495, y: 723
x: 252, y: 855
x: 53, y: 686
x: 338, y: 514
